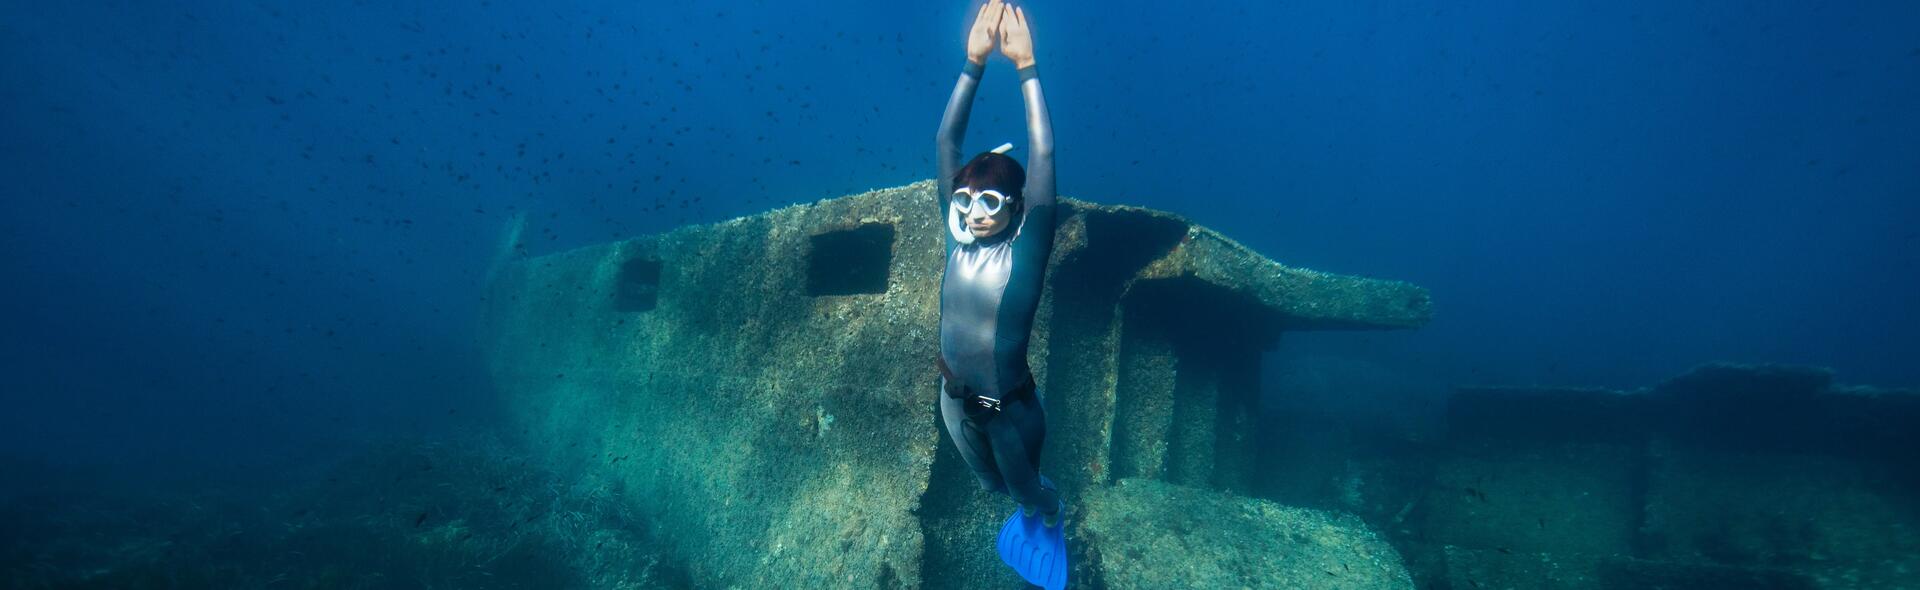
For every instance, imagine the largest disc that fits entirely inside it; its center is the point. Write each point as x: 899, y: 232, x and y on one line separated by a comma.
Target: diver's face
x: 987, y: 212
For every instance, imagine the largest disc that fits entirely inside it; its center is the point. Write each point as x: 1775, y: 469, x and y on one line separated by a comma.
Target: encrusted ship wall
x: 763, y: 391
x: 1730, y: 476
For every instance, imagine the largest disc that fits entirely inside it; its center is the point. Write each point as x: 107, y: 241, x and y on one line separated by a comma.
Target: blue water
x: 237, y: 232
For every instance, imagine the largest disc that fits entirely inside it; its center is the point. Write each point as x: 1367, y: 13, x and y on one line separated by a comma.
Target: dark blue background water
x: 241, y: 230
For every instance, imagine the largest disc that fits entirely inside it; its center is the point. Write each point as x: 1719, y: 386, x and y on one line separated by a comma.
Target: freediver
x: 991, y: 287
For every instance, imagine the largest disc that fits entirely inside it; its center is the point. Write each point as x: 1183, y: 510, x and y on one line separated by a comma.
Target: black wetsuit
x: 987, y: 301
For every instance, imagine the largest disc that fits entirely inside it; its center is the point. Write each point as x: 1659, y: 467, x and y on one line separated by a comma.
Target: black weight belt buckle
x: 958, y: 391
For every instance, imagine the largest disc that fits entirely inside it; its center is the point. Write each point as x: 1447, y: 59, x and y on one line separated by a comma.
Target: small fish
x: 1505, y: 550
x: 1543, y: 523
x: 419, y: 519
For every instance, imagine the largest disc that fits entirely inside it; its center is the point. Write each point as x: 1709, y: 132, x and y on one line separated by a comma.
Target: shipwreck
x: 763, y: 391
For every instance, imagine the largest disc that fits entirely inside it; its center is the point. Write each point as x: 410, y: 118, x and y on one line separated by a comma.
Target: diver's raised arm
x: 1016, y: 42
x: 953, y: 124
x: 953, y: 128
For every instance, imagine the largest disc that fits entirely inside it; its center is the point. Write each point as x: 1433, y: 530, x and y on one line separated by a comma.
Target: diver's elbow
x: 1040, y: 140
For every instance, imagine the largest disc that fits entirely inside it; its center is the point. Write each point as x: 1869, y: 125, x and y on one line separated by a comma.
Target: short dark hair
x: 992, y: 170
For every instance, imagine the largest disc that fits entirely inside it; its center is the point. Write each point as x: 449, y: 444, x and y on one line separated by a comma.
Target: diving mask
x: 964, y: 199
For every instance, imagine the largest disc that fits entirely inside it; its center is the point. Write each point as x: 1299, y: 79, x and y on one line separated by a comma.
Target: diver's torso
x: 985, y: 317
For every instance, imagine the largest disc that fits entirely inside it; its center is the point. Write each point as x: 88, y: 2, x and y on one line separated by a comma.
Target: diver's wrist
x: 1029, y: 71
x: 974, y: 68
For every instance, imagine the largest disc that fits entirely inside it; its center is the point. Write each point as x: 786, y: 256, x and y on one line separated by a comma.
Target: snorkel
x: 956, y: 224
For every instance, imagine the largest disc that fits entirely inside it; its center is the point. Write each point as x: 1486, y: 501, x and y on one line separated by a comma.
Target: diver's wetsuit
x: 987, y: 301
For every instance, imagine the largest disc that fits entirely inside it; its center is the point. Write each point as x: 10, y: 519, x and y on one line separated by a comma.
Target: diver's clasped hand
x: 1000, y: 23
x: 1016, y: 39
x: 986, y: 25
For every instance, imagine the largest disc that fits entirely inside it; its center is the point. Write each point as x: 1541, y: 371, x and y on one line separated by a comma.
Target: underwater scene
x: 942, y: 295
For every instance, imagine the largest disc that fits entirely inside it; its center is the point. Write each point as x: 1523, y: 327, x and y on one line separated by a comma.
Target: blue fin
x: 1036, y: 551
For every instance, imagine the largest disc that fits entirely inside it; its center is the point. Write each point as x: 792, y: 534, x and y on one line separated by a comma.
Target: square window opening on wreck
x: 852, y: 261
x: 637, y: 288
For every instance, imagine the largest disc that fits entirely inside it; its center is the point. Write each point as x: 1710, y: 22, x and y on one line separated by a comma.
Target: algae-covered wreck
x: 763, y: 391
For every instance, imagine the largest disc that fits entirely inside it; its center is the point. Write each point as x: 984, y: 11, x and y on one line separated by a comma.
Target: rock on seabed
x: 1142, y: 533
